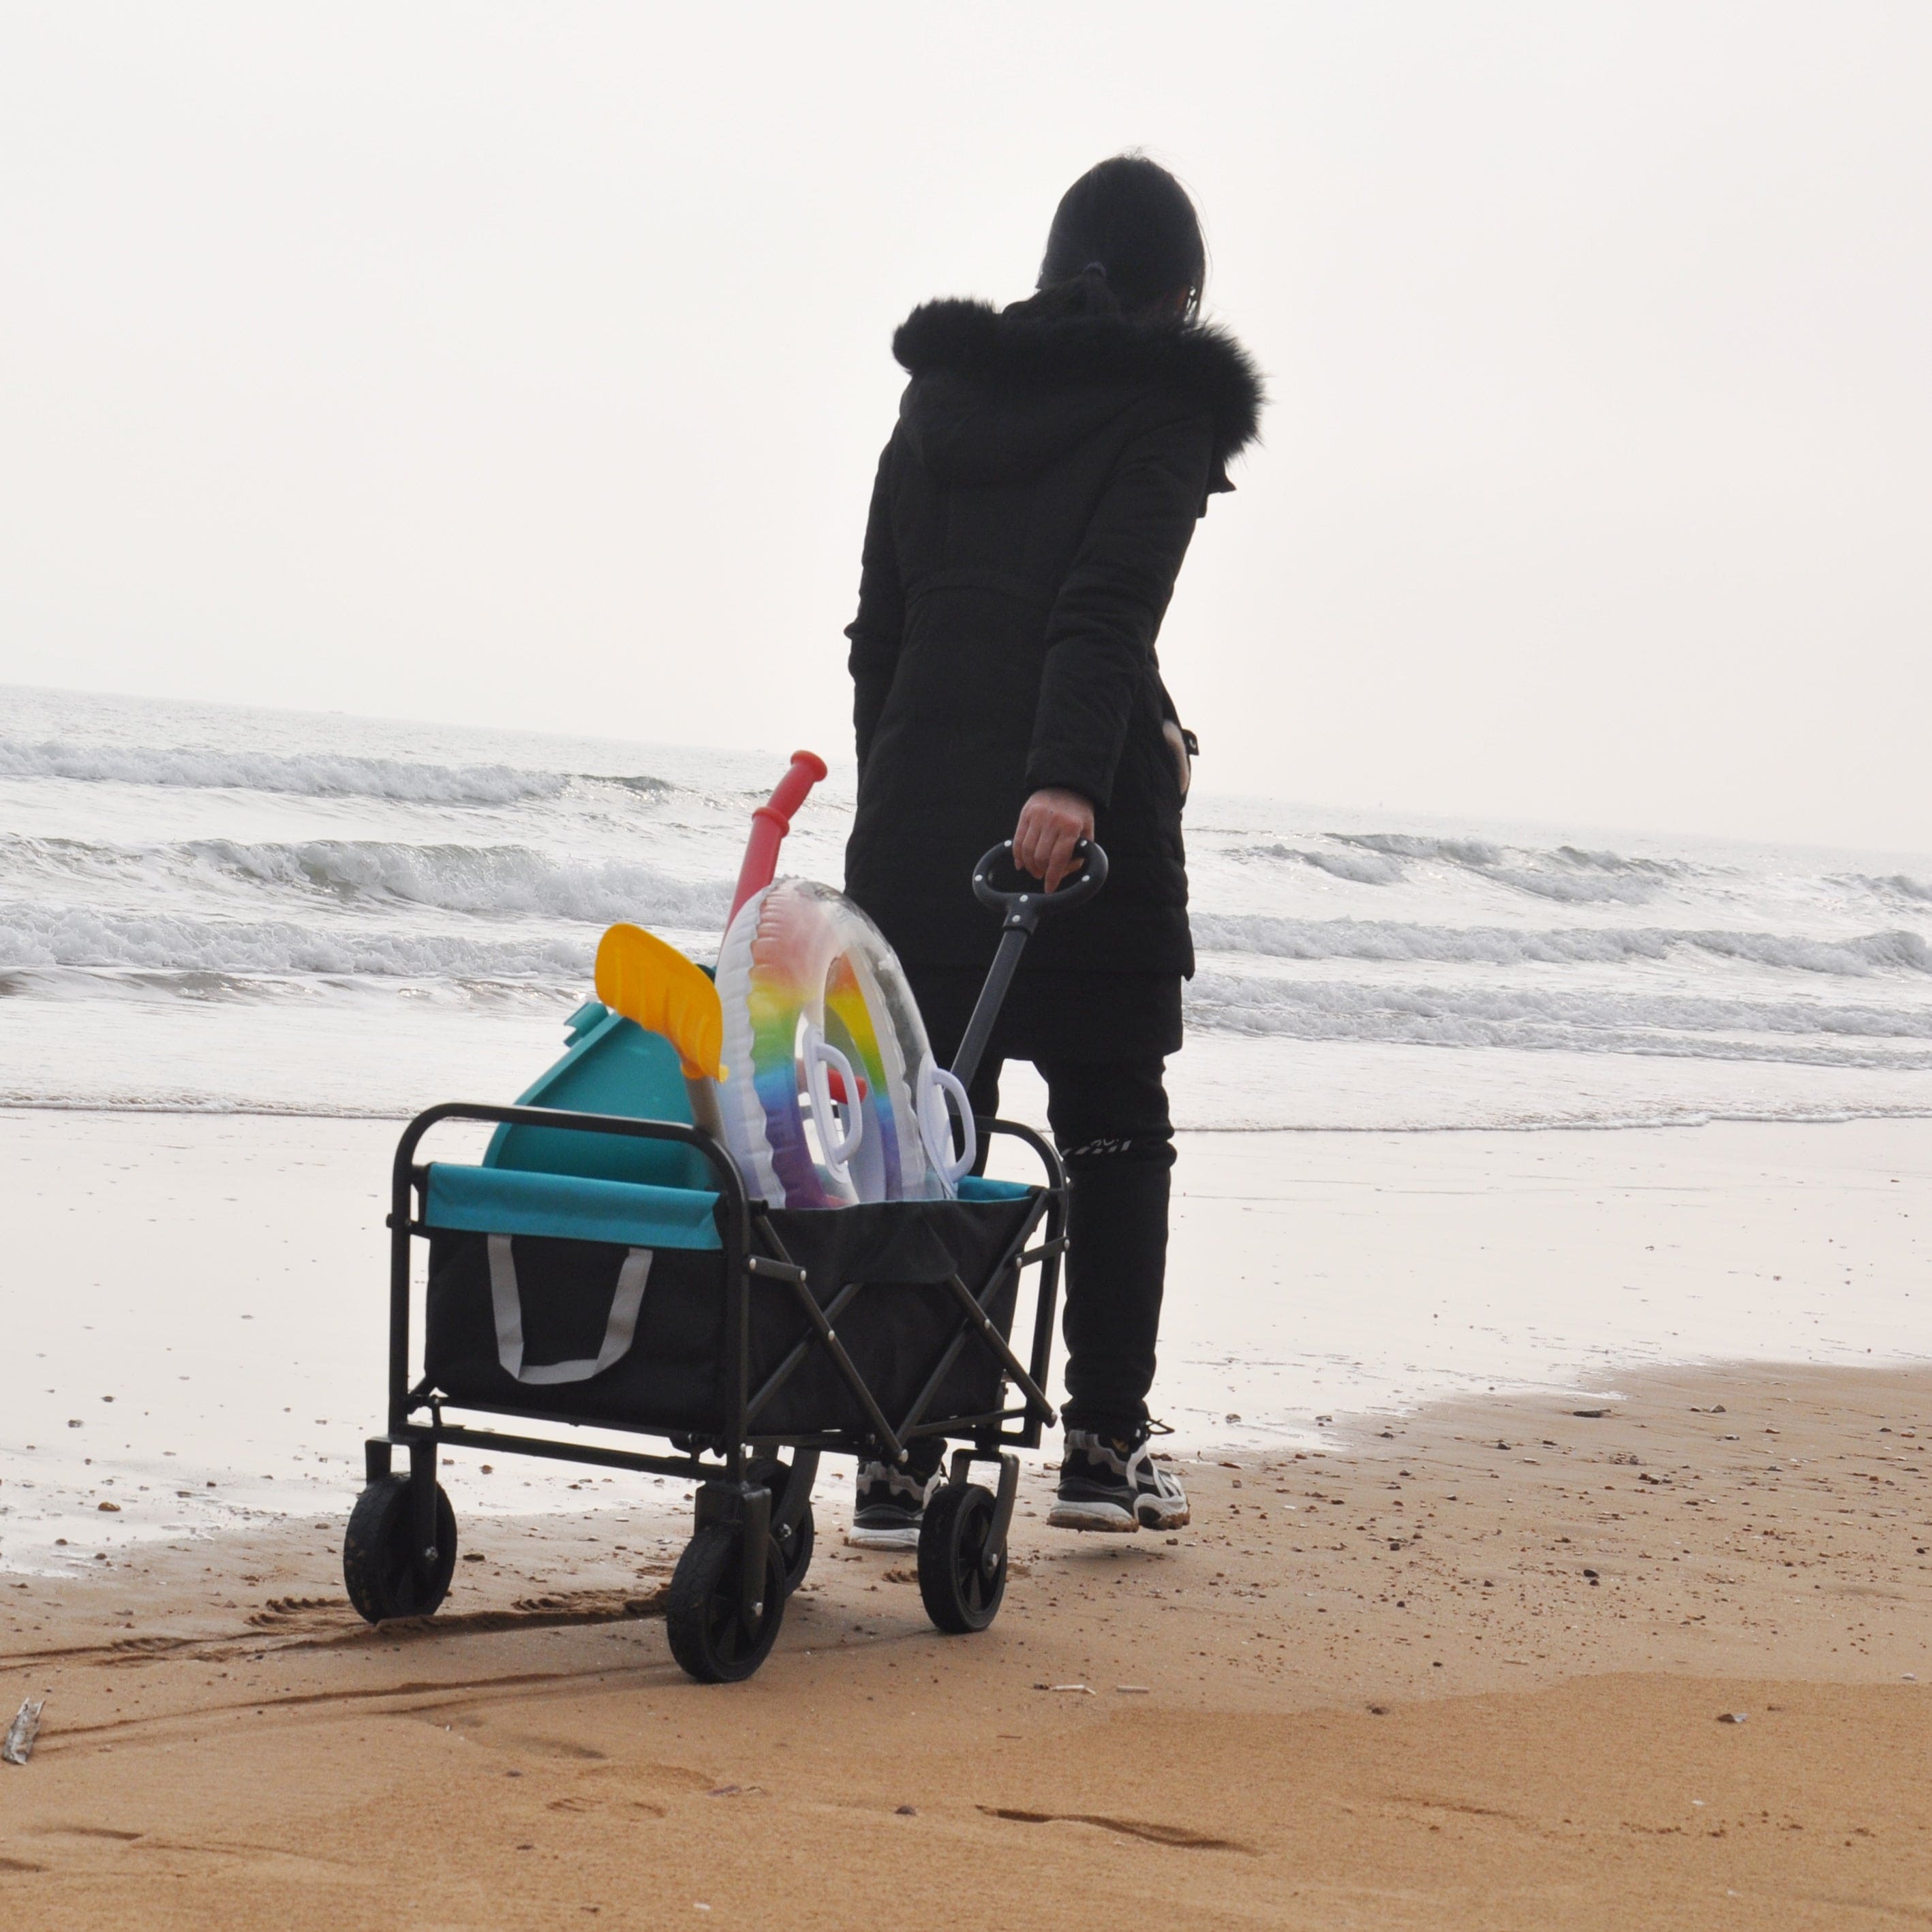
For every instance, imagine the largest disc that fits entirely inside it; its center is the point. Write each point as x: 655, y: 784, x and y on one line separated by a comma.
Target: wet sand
x: 1466, y: 1669
x: 195, y: 1307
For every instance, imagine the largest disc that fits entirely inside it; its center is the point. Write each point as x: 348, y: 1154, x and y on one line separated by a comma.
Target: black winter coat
x: 1031, y: 514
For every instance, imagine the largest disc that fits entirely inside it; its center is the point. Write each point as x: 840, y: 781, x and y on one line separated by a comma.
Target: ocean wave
x: 38, y: 936
x: 313, y: 775
x: 1894, y: 886
x: 496, y: 881
x: 1568, y: 874
x: 1858, y: 957
x: 65, y: 952
x: 1482, y: 855
x: 491, y: 881
x: 1549, y: 1019
x: 1358, y: 868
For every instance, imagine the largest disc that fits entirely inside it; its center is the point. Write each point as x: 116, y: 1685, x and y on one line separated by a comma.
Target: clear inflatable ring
x: 831, y: 1097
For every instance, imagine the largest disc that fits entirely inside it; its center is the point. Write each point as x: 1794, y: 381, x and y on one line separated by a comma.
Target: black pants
x: 1110, y: 1122
x: 1100, y: 1041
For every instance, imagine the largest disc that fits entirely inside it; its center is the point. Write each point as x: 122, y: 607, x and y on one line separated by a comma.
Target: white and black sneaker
x: 889, y: 1508
x: 1113, y: 1482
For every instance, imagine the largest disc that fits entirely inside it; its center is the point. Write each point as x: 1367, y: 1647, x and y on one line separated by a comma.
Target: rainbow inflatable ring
x: 831, y: 1097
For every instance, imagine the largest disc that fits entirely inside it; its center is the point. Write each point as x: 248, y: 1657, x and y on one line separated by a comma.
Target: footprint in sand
x: 611, y: 1807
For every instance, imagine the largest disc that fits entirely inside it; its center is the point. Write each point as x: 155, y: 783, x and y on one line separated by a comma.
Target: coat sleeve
x: 875, y: 631
x: 1101, y: 634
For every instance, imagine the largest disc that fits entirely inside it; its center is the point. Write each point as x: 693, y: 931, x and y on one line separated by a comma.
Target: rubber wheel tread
x: 702, y: 1616
x: 959, y: 1596
x: 379, y: 1568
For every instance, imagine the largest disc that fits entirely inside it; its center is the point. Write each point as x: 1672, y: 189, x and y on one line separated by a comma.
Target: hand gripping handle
x: 1024, y: 910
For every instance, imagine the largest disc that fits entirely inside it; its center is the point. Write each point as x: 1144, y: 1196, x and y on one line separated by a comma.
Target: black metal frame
x: 751, y: 1249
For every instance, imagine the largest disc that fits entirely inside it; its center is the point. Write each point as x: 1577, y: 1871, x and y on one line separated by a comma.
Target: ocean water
x: 214, y: 909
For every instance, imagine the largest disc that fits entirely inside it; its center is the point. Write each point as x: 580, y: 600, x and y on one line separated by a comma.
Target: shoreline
x: 1463, y: 1668
x: 216, y: 1108
x: 1691, y: 1123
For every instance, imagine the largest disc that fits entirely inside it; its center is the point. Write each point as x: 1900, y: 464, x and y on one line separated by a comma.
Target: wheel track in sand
x: 329, y: 1623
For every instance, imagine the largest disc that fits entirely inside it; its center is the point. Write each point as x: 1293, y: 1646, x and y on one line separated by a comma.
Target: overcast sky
x: 528, y: 365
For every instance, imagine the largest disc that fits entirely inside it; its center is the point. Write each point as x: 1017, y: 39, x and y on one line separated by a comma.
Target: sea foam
x: 33, y: 936
x: 314, y: 775
x: 1856, y: 956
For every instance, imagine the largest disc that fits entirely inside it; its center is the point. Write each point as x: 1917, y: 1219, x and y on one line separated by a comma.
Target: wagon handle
x: 1022, y: 913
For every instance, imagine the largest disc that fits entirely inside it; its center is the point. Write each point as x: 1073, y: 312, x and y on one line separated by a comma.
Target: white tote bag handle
x: 619, y: 1332
x: 939, y: 1094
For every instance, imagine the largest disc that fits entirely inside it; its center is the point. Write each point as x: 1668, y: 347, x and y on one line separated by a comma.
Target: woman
x: 1031, y: 514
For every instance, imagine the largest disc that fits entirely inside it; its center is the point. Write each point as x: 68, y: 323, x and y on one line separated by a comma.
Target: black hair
x: 1124, y: 235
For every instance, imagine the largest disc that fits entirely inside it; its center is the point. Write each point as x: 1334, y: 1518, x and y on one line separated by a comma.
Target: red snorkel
x: 769, y: 824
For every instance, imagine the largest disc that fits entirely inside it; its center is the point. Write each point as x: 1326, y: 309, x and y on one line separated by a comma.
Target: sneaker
x: 1113, y: 1482
x: 890, y: 1508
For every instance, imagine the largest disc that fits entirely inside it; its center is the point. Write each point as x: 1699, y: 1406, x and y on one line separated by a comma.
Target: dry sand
x: 1466, y: 1671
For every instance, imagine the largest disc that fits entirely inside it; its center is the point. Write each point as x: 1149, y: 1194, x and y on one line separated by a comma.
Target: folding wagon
x: 605, y: 1266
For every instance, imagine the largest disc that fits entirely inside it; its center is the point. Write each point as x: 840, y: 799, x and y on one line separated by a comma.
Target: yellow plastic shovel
x: 645, y: 980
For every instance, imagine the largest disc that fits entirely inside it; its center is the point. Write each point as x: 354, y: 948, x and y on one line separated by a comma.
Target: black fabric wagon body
x: 630, y: 1334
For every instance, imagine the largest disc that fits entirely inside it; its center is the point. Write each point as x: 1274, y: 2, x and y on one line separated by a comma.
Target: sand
x: 1375, y: 1683
x: 1467, y: 1669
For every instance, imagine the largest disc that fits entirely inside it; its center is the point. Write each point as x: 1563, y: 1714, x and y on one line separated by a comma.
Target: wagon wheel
x: 961, y: 1580
x: 387, y: 1576
x: 704, y: 1616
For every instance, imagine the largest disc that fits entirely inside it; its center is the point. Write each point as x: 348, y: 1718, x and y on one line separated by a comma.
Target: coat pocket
x: 1180, y: 745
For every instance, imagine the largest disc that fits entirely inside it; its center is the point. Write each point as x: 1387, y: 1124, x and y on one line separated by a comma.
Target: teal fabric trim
x: 613, y: 1067
x: 977, y: 1187
x: 506, y: 1201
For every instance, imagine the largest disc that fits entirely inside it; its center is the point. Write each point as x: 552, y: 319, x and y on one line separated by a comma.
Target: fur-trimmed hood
x: 997, y: 393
